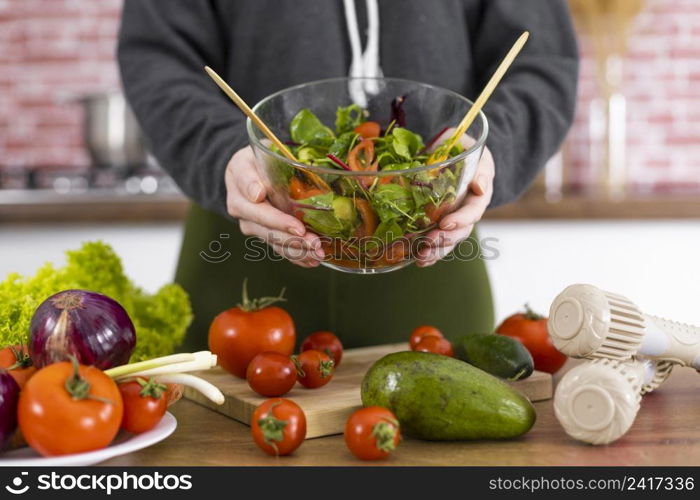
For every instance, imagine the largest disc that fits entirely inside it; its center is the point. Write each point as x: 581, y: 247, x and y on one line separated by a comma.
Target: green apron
x: 454, y: 296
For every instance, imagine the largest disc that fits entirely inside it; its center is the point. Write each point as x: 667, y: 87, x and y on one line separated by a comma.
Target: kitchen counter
x: 665, y: 433
x: 107, y: 205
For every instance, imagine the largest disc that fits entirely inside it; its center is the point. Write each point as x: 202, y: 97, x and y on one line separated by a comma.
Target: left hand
x: 458, y: 225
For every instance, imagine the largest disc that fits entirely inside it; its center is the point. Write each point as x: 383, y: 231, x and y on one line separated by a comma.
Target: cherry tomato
x: 324, y: 342
x: 435, y: 344
x: 238, y: 334
x: 530, y: 328
x: 368, y: 130
x: 271, y: 374
x: 278, y: 426
x: 15, y: 359
x: 421, y: 332
x: 69, y: 408
x: 145, y: 402
x: 372, y: 433
x: 314, y: 368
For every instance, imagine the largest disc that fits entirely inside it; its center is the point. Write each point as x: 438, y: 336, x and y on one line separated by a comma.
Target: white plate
x: 123, y: 444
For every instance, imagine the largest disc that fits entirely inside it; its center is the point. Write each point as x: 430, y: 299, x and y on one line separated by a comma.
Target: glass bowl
x: 356, y: 228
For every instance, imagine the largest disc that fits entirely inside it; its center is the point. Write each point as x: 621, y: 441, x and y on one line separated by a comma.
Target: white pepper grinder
x: 630, y: 352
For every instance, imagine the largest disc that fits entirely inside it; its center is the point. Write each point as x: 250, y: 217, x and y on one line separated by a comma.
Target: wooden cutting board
x: 328, y: 408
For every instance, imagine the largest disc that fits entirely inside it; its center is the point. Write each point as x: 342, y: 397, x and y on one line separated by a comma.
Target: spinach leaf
x: 306, y: 128
x: 349, y: 117
x: 392, y: 201
x: 444, y: 185
x: 310, y: 154
x: 405, y: 143
x: 388, y: 231
x: 342, y: 145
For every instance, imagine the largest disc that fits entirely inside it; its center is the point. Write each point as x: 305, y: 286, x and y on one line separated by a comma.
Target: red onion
x: 9, y: 394
x: 93, y: 327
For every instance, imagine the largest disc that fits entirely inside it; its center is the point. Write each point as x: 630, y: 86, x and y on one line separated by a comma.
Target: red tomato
x: 271, y: 374
x: 372, y: 433
x: 278, y: 426
x: 368, y: 130
x: 69, y: 408
x: 324, y: 342
x: 435, y: 344
x: 238, y: 334
x: 530, y: 328
x: 15, y: 359
x: 145, y: 403
x: 314, y: 368
x: 421, y: 332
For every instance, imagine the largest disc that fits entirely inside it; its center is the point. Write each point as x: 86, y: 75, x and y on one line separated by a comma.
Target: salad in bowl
x: 371, y: 182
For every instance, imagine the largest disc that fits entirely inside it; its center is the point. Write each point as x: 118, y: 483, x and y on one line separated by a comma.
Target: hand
x: 458, y: 225
x: 246, y: 201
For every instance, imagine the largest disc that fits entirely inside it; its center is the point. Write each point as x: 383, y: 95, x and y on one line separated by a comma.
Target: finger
x: 467, y: 215
x: 433, y: 254
x: 268, y: 216
x: 301, y: 257
x: 245, y: 175
x: 246, y: 195
x: 478, y: 185
x: 250, y: 228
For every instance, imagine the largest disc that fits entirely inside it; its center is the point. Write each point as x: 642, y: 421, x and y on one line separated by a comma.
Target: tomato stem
x: 248, y: 305
x: 272, y: 428
x: 297, y: 365
x: 151, y: 388
x: 532, y: 315
x: 22, y: 359
x: 77, y: 386
x: 384, y: 434
x: 326, y: 368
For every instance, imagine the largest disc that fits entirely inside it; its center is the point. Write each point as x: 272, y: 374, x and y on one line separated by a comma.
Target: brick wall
x: 50, y: 48
x: 662, y: 88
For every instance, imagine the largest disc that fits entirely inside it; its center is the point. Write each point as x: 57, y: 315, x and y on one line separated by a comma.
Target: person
x: 262, y: 46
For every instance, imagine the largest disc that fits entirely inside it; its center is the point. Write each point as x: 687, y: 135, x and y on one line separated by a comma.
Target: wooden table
x: 666, y: 432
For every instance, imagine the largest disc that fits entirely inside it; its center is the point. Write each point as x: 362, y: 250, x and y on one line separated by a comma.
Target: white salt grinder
x: 597, y: 401
x: 587, y: 322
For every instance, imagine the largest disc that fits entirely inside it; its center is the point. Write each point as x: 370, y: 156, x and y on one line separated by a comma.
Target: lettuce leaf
x: 160, y: 319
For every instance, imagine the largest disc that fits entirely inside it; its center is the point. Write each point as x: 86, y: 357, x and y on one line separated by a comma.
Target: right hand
x: 246, y: 201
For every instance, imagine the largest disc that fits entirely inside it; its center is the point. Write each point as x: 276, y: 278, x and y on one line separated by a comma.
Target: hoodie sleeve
x: 192, y: 128
x: 532, y: 109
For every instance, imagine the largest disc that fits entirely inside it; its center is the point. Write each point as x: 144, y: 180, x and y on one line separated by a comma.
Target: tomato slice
x: 368, y: 130
x: 361, y: 159
x: 298, y: 190
x: 367, y: 217
x: 435, y: 212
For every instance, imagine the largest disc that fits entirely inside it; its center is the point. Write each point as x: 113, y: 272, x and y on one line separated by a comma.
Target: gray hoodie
x: 262, y: 46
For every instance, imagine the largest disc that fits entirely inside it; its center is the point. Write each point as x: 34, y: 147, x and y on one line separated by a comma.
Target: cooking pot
x: 112, y: 134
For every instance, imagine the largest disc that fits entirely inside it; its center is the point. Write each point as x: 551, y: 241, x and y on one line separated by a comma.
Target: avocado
x: 496, y: 354
x: 439, y: 398
x: 343, y: 208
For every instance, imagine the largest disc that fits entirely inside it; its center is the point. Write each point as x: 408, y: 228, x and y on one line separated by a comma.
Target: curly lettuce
x: 160, y: 319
